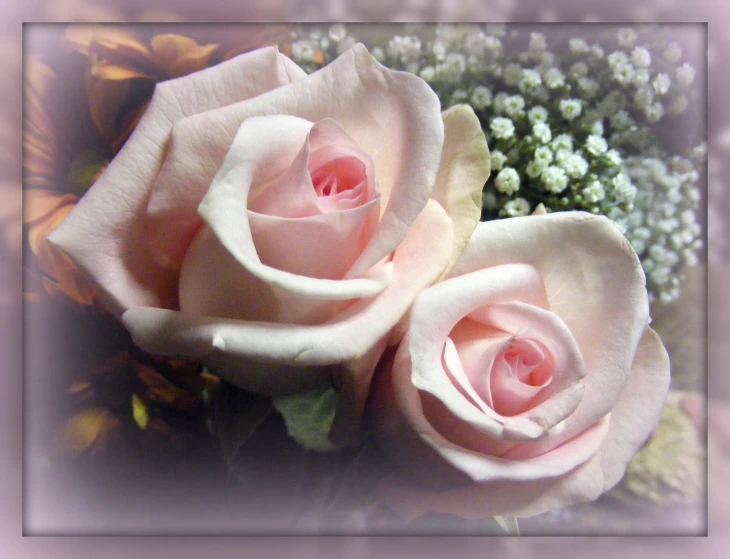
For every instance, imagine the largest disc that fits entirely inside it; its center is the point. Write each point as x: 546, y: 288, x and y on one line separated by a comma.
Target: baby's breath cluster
x: 571, y: 122
x: 663, y: 227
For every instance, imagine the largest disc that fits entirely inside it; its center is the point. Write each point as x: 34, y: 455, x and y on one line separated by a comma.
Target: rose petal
x: 477, y: 345
x: 589, y: 270
x: 417, y: 262
x: 213, y: 283
x: 532, y: 322
x: 331, y: 146
x: 479, y: 501
x: 454, y: 368
x: 354, y: 379
x: 463, y: 171
x: 132, y: 256
x: 397, y: 123
x: 293, y: 194
x: 510, y: 394
x: 636, y: 414
x: 323, y: 246
x: 267, y: 165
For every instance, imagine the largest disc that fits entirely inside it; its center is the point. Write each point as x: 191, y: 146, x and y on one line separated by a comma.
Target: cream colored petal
x: 463, y: 171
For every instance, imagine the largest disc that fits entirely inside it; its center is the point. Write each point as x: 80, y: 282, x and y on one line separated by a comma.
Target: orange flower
x: 57, y: 132
x: 41, y: 149
x: 93, y: 429
x: 122, y: 401
x: 116, y: 59
x: 160, y: 390
x: 256, y: 36
x: 44, y: 210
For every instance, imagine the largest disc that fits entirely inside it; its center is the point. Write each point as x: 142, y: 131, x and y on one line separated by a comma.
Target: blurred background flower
x: 44, y: 210
x: 121, y: 71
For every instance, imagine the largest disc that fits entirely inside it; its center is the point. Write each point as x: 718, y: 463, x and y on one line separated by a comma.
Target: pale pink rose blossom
x: 277, y: 226
x: 528, y: 378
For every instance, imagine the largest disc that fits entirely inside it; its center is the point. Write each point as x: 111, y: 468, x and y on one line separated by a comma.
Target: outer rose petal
x: 630, y: 424
x: 229, y: 346
x: 396, y: 122
x: 109, y: 234
x: 464, y: 168
x: 600, y: 276
x: 637, y: 411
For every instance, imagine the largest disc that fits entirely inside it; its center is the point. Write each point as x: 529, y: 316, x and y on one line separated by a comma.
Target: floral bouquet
x: 368, y: 279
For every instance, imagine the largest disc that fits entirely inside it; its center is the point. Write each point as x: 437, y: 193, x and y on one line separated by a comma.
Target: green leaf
x: 308, y: 417
x: 502, y: 526
x: 236, y: 416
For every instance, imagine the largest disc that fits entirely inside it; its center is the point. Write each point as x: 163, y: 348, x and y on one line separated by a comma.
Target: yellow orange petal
x: 38, y: 132
x: 105, y: 70
x: 84, y: 429
x: 178, y: 56
x: 71, y: 285
x: 39, y: 203
x: 45, y: 210
x: 82, y: 37
x: 163, y: 391
x: 191, y: 62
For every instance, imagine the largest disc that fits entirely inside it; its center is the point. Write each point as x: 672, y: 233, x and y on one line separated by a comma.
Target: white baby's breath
x: 641, y: 57
x: 578, y: 46
x: 574, y: 165
x: 517, y: 207
x: 481, y: 98
x: 661, y: 84
x: 594, y: 192
x: 596, y: 145
x: 502, y: 127
x: 497, y: 159
x: 571, y: 108
x: 541, y: 132
x: 537, y: 113
x: 554, y: 78
x: 507, y: 181
x: 685, y: 74
x: 554, y: 179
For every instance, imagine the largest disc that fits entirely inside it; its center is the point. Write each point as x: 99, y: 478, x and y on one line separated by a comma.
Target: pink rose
x: 273, y: 224
x: 527, y: 379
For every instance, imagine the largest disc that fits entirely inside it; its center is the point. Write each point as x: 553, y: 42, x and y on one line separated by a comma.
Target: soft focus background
x: 11, y: 413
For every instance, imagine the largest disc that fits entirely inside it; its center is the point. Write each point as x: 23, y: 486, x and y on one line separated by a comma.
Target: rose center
x: 339, y: 177
x: 525, y: 360
x: 519, y: 373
